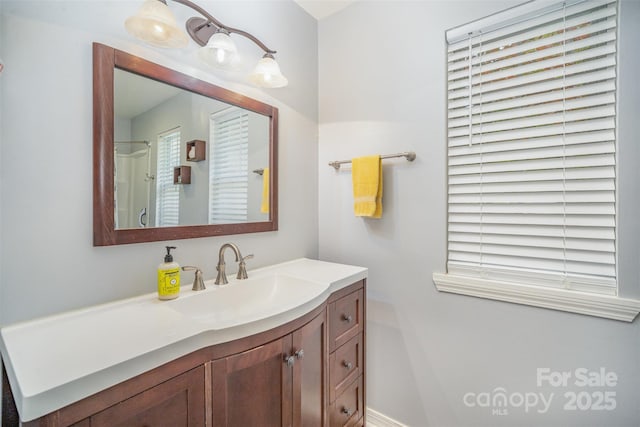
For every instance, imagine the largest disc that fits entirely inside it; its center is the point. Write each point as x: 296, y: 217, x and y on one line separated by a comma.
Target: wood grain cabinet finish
x: 281, y: 383
x: 346, y: 318
x: 254, y: 387
x: 308, y: 372
x: 178, y: 402
x: 345, y: 365
x: 348, y: 408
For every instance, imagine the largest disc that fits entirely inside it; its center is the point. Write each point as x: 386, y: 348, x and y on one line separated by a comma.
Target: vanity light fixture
x: 219, y: 50
x: 155, y: 24
x: 267, y: 73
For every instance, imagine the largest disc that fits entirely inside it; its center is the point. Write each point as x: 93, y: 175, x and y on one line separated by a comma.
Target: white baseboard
x: 376, y: 419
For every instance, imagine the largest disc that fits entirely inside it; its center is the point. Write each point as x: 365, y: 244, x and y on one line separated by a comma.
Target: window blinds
x: 228, y: 167
x: 531, y: 150
x: 167, y: 194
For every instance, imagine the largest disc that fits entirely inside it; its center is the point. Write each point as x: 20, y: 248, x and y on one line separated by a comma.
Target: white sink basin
x: 54, y: 361
x: 243, y: 301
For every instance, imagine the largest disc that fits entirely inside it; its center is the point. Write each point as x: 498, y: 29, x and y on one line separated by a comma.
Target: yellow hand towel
x: 264, y: 206
x: 366, y: 174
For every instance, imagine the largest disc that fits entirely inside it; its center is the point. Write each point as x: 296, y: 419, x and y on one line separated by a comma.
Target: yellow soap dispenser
x: 168, y: 277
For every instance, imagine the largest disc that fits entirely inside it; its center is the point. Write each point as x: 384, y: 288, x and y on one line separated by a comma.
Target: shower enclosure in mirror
x: 148, y: 122
x: 132, y: 183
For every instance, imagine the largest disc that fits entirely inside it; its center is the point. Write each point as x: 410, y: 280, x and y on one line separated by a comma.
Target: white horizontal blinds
x: 228, y: 167
x: 167, y: 193
x: 531, y: 157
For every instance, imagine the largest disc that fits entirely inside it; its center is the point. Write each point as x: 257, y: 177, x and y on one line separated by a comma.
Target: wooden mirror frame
x: 105, y: 60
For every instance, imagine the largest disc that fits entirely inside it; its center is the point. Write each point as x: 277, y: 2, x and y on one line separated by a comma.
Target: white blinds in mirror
x: 531, y: 150
x: 167, y: 193
x: 228, y: 167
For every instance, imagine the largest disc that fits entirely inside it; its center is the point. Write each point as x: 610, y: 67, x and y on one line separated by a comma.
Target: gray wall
x: 180, y: 111
x: 383, y: 90
x: 49, y: 263
x: 258, y: 159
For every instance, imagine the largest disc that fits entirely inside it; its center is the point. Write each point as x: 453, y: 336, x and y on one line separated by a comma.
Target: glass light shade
x: 267, y: 74
x: 219, y: 51
x: 155, y: 24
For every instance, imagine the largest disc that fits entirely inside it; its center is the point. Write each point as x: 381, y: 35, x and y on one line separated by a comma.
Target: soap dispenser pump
x: 168, y: 277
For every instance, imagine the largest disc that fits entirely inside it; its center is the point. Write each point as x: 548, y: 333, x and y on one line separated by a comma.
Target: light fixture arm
x: 196, y: 25
x: 156, y: 25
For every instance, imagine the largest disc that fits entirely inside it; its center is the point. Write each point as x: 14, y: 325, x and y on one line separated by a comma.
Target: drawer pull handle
x: 348, y: 412
x: 347, y: 365
x: 299, y: 354
x: 347, y: 318
x: 289, y: 360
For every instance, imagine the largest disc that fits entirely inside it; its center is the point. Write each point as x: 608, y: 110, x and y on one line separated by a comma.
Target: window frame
x: 523, y: 292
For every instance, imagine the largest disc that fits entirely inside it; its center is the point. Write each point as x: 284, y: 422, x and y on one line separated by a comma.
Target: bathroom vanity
x: 284, y: 347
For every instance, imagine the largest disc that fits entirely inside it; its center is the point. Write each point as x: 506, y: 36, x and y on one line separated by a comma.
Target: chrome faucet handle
x: 198, y: 282
x: 242, y: 268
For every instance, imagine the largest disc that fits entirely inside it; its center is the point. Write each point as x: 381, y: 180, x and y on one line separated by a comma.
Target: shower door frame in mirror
x: 105, y: 60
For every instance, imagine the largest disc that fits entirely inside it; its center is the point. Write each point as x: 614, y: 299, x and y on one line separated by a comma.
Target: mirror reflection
x: 181, y: 158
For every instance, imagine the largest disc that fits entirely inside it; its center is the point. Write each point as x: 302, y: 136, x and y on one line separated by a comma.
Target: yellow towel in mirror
x: 366, y: 174
x: 264, y: 206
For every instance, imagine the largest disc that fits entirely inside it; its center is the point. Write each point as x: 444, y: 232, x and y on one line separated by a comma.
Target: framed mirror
x: 175, y: 157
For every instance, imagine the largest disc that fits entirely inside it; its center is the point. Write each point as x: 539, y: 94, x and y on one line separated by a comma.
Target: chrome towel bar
x: 409, y: 155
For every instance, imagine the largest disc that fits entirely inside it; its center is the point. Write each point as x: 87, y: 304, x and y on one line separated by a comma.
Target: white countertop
x: 54, y: 361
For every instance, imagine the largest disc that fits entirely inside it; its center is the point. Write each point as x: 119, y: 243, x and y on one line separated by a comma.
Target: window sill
x: 609, y: 307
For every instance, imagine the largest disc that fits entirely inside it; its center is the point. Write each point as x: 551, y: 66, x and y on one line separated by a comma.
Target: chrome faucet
x: 221, y: 278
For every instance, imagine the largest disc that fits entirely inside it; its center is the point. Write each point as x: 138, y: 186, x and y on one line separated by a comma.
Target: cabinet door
x: 310, y: 373
x: 174, y: 403
x: 253, y: 388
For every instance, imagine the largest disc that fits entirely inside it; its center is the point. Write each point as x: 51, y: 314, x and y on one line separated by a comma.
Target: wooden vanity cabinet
x: 253, y: 387
x: 281, y: 383
x: 178, y: 402
x: 308, y: 372
x: 346, y: 319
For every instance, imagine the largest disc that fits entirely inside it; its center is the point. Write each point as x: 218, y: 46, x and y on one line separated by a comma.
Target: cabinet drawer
x: 345, y: 319
x: 345, y: 364
x: 347, y: 409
